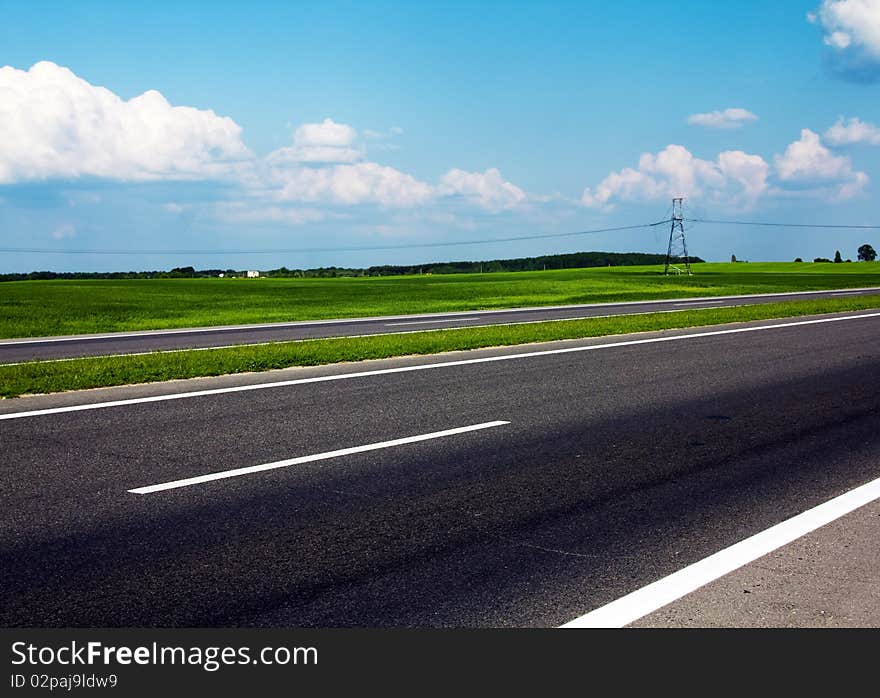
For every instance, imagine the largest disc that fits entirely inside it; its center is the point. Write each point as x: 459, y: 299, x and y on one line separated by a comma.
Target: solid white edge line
x: 423, y: 367
x: 652, y: 597
x: 382, y: 318
x: 186, y: 482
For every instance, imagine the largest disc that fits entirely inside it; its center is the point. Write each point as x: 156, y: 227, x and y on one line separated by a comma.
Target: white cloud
x: 372, y: 134
x: 852, y: 132
x: 313, y: 153
x: 838, y: 40
x: 806, y: 162
x: 359, y: 183
x: 65, y: 230
x: 850, y: 24
x: 487, y: 189
x: 853, y: 187
x: 288, y: 178
x: 747, y: 171
x: 734, y: 177
x: 54, y: 124
x: 372, y: 183
x: 808, y: 159
x: 807, y: 168
x: 327, y: 133
x: 326, y: 142
x: 247, y: 212
x: 731, y: 118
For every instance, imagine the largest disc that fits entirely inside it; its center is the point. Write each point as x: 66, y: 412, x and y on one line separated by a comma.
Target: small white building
x: 253, y: 274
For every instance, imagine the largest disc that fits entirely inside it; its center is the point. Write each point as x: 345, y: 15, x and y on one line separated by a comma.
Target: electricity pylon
x: 677, y: 244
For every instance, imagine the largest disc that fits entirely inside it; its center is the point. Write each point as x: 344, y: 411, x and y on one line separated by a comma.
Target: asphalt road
x: 618, y: 463
x: 31, y: 349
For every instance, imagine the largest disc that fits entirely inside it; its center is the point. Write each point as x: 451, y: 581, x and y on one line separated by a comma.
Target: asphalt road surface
x: 31, y: 349
x: 488, y: 488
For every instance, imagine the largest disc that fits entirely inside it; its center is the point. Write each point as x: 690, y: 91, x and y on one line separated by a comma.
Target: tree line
x: 574, y: 260
x: 865, y: 253
x: 176, y: 273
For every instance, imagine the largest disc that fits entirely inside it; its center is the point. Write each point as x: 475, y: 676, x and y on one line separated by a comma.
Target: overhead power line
x: 415, y: 245
x: 306, y: 250
x: 784, y: 225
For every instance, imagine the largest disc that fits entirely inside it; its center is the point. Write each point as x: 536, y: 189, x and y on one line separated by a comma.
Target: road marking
x: 432, y: 322
x: 846, y: 293
x: 423, y: 367
x: 646, y: 600
x: 186, y: 482
x: 700, y: 303
x: 382, y: 318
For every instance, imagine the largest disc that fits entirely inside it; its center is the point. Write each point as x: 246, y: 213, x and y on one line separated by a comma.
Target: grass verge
x: 79, y: 374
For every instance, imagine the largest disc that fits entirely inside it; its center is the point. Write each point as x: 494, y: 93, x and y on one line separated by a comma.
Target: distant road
x: 490, y: 488
x: 41, y: 348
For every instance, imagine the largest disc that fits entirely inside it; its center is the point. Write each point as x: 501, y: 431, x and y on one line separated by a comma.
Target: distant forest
x: 575, y: 260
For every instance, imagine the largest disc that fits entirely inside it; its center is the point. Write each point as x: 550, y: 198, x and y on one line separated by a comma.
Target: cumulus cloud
x: 731, y: 118
x: 806, y: 168
x: 324, y: 165
x: 314, y: 153
x: 852, y: 30
x: 372, y: 183
x: 327, y: 142
x: 850, y: 23
x: 809, y: 164
x: 327, y: 133
x: 358, y: 183
x: 747, y: 174
x: 734, y: 176
x: 854, y: 131
x: 487, y: 189
x: 55, y: 125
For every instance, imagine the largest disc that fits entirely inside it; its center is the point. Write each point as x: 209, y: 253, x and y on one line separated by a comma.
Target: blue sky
x: 331, y: 125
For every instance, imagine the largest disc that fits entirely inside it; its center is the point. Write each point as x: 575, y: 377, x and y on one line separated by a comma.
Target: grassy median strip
x: 78, y: 374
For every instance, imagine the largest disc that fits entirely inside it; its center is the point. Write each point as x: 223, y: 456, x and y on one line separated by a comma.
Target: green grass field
x: 42, y: 308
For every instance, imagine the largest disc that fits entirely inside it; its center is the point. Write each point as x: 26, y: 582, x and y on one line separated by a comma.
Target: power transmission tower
x: 677, y: 249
